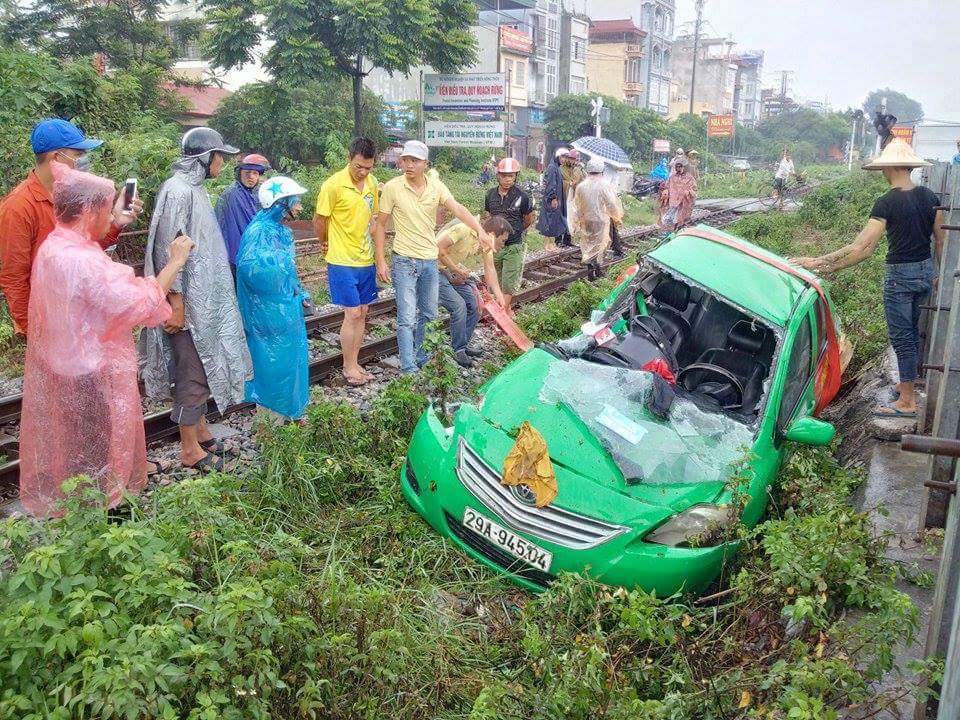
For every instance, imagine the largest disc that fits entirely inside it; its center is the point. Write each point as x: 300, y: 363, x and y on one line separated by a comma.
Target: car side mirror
x: 810, y: 431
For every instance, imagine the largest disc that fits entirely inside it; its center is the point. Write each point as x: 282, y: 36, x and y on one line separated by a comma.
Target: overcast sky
x: 838, y: 49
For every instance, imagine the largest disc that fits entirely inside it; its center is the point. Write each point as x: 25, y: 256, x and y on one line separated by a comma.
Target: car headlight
x: 699, y: 525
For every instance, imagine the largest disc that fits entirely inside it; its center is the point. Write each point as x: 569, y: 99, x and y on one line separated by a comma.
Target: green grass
x: 303, y: 586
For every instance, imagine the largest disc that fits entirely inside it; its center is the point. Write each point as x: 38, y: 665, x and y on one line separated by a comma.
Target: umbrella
x: 606, y: 150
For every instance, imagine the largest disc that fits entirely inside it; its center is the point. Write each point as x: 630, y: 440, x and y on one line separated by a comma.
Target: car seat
x: 671, y: 298
x: 744, y: 342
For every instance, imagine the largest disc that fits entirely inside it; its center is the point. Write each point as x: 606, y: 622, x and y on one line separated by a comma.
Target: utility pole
x: 784, y: 87
x: 696, y: 50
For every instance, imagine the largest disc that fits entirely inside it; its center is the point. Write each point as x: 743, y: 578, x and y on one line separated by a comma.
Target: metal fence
x: 939, y: 437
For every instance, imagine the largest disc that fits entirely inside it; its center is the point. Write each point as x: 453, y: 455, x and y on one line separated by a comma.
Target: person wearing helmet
x: 238, y: 204
x: 26, y: 213
x: 552, y: 222
x: 347, y: 202
x: 597, y: 207
x: 272, y: 302
x: 203, y: 340
x: 508, y: 201
x: 693, y: 157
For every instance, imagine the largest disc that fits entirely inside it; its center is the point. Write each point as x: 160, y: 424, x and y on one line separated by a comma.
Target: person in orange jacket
x: 26, y: 213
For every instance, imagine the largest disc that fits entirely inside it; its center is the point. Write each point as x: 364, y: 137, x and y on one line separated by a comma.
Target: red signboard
x: 903, y: 132
x: 513, y: 39
x: 720, y: 126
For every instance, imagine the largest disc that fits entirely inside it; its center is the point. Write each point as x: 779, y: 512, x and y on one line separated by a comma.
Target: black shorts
x: 779, y: 184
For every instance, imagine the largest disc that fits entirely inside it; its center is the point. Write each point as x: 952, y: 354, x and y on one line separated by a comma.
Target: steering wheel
x: 727, y: 376
x: 612, y: 354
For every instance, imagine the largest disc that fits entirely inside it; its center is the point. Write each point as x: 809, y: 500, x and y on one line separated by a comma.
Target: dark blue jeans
x: 461, y: 302
x: 904, y: 289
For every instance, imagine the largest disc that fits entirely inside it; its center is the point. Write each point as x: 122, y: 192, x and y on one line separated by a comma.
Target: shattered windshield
x: 690, y: 446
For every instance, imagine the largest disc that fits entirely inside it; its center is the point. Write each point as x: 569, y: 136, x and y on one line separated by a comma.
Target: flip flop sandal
x: 208, y: 463
x: 212, y: 445
x: 894, y: 412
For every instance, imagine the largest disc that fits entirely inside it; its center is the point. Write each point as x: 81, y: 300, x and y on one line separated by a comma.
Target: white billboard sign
x: 464, y: 134
x: 464, y: 92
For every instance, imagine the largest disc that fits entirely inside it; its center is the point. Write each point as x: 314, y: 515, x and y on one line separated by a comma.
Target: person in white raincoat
x: 203, y: 342
x: 596, y: 204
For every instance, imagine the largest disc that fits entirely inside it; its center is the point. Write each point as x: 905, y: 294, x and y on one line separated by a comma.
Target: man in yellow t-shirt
x: 345, y: 206
x: 412, y: 201
x: 458, y: 244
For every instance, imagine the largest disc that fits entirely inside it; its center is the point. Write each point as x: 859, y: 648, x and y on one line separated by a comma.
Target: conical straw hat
x: 897, y: 154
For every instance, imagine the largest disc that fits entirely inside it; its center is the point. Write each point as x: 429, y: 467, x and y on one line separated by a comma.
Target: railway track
x: 550, y: 273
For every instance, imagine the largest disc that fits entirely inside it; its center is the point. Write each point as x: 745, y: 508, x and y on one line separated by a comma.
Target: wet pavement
x: 895, y: 484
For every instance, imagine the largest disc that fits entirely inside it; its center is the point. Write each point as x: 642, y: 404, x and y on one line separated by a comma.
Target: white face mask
x: 80, y: 164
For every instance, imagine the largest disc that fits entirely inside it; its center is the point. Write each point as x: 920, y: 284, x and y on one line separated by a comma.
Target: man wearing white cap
x: 412, y: 200
x: 909, y: 216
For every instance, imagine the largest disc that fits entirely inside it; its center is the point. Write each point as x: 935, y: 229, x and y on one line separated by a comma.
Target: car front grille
x: 412, y: 478
x: 497, y: 556
x: 553, y: 524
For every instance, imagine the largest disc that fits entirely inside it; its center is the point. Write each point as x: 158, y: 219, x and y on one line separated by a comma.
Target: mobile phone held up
x: 129, y: 193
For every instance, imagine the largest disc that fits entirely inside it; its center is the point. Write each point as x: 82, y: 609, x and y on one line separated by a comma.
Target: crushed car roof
x: 745, y: 281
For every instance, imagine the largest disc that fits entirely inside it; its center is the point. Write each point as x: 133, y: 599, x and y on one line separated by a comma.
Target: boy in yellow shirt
x: 348, y: 200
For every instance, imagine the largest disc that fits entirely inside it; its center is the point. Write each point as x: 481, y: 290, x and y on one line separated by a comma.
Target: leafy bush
x: 310, y: 123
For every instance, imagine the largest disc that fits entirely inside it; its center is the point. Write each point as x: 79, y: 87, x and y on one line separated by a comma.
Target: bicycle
x: 769, y: 197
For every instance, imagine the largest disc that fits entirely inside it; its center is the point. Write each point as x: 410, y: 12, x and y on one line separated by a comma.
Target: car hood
x: 574, y: 404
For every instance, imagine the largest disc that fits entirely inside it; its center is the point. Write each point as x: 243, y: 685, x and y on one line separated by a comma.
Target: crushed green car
x: 644, y: 492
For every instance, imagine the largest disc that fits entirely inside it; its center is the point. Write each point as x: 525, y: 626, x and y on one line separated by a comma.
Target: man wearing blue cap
x: 26, y: 214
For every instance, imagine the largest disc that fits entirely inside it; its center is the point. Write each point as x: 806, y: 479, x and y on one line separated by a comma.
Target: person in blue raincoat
x: 662, y: 171
x: 238, y: 204
x: 552, y: 222
x: 272, y: 302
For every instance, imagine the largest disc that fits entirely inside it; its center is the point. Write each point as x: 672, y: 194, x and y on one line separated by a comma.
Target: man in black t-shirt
x: 513, y: 204
x: 909, y: 216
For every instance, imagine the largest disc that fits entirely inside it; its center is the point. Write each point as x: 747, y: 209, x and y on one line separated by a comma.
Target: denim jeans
x: 461, y: 302
x: 904, y: 288
x: 416, y: 285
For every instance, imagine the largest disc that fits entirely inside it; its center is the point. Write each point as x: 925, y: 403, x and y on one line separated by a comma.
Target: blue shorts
x: 352, y: 286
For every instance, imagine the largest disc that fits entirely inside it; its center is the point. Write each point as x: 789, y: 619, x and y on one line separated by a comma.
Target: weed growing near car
x: 304, y: 587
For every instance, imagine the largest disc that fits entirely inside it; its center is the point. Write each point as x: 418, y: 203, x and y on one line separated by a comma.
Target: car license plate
x: 503, y: 538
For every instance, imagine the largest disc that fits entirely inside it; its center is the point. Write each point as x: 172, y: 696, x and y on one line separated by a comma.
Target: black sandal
x: 208, y: 463
x: 212, y: 445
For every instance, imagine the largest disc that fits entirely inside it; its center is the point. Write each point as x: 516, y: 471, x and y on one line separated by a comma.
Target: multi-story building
x: 716, y: 76
x: 656, y: 19
x: 614, y: 60
x: 574, y: 42
x: 773, y: 102
x: 192, y: 65
x: 746, y: 102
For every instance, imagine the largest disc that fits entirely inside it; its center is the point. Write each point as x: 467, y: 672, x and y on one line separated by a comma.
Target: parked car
x: 641, y: 501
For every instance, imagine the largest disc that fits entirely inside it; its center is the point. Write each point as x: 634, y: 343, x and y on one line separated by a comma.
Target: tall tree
x: 127, y: 33
x: 904, y: 107
x: 312, y: 38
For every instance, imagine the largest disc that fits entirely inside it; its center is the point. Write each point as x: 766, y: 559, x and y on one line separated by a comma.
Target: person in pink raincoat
x: 81, y: 406
x: 677, y: 196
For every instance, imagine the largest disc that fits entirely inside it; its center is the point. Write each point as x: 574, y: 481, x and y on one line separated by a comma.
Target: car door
x: 797, y: 397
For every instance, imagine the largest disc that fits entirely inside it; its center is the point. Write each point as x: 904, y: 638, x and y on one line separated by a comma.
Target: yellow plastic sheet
x: 528, y: 463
